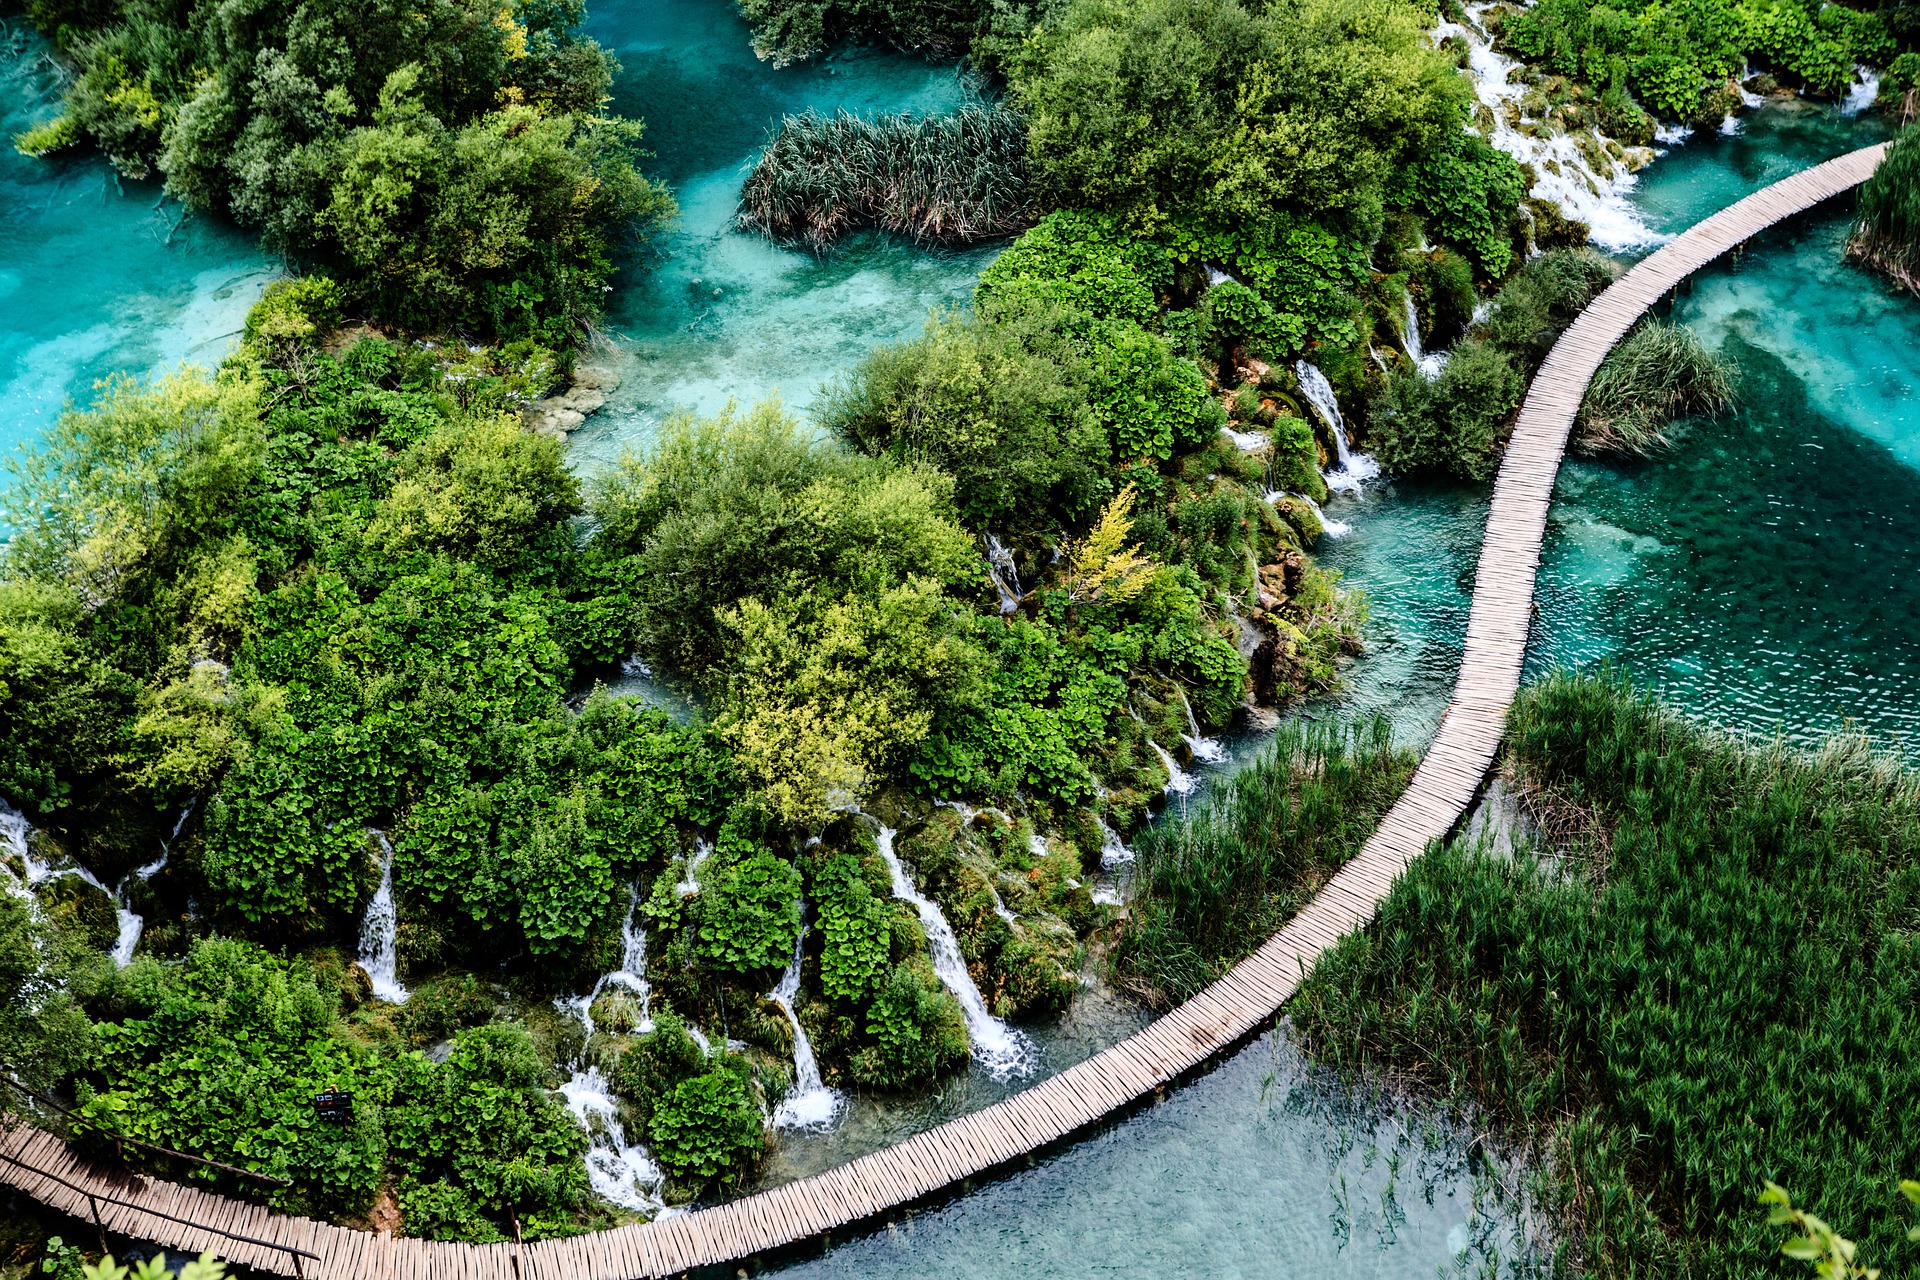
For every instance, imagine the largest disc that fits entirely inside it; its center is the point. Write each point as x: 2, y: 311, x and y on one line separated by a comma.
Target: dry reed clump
x: 1886, y: 234
x: 938, y: 180
x: 1659, y: 372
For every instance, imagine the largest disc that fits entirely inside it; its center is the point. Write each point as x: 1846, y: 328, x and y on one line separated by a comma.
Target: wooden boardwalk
x: 1216, y: 1019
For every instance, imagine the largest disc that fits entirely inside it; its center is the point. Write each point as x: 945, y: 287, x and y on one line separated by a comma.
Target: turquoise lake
x: 1756, y: 575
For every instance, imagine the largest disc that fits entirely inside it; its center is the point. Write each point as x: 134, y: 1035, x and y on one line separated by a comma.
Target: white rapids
x: 379, y: 955
x: 811, y: 1105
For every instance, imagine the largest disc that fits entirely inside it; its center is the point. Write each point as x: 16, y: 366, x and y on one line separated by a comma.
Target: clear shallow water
x: 1254, y: 1170
x: 1757, y: 575
x: 98, y: 275
x: 723, y: 314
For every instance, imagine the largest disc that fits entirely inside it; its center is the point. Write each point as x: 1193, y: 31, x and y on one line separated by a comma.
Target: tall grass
x: 945, y: 180
x: 1210, y: 887
x: 1659, y: 372
x: 1886, y: 234
x: 1725, y: 988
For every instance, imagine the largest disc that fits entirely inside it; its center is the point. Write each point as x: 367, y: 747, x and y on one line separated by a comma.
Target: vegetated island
x: 307, y: 656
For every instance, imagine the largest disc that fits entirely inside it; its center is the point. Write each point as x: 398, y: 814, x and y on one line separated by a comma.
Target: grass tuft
x: 938, y: 180
x: 1659, y: 372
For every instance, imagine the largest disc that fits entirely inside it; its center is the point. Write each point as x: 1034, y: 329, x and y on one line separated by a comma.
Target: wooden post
x: 99, y: 1226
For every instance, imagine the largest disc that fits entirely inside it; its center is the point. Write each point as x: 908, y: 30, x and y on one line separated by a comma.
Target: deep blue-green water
x: 98, y: 275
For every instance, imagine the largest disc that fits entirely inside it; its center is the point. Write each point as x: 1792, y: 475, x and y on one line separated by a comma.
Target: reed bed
x: 1211, y: 886
x: 1659, y: 372
x: 1886, y: 234
x: 938, y: 180
x: 1724, y: 986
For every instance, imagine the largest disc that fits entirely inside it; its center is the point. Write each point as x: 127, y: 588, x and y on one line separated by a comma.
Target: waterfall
x: 1328, y: 525
x: 132, y: 924
x: 1113, y: 850
x: 1001, y: 1050
x: 13, y: 840
x: 1562, y: 173
x: 377, y: 953
x: 1245, y: 441
x: 702, y: 850
x: 811, y: 1105
x: 1864, y: 92
x: 618, y: 1170
x: 1355, y: 469
x: 13, y: 833
x: 1428, y: 365
x: 1179, y: 781
x: 1206, y: 750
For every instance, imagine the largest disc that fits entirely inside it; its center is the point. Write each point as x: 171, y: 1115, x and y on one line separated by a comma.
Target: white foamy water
x: 1179, y: 781
x: 702, y: 850
x: 378, y: 954
x: 1428, y: 365
x: 619, y: 1170
x: 1245, y: 441
x: 1864, y: 92
x: 1206, y: 750
x: 132, y: 923
x: 810, y: 1104
x: 13, y: 833
x: 1355, y: 469
x: 998, y: 1048
x: 1594, y: 195
x: 1113, y: 850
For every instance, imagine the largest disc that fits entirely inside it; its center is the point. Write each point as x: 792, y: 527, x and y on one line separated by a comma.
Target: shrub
x: 1451, y: 424
x: 749, y: 914
x: 708, y: 1126
x: 917, y: 1029
x: 1083, y: 263
x: 1886, y: 232
x: 294, y: 312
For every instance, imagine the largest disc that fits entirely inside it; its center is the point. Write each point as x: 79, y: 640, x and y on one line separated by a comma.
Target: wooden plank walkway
x: 1220, y: 1016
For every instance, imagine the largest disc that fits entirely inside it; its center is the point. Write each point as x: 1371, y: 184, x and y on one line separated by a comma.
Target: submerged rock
x: 566, y: 412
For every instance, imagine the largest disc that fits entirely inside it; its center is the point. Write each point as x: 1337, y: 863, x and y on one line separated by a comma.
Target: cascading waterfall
x: 132, y: 923
x: 1355, y: 469
x: 1428, y: 365
x: 702, y: 850
x: 1002, y: 1051
x: 1564, y: 173
x: 811, y: 1105
x: 621, y: 1171
x: 1005, y: 575
x: 1864, y: 92
x: 1206, y: 750
x: 1329, y: 527
x: 378, y: 954
x: 1179, y: 781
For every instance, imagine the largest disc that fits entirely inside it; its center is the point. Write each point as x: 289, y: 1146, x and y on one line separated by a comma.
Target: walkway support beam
x: 1220, y: 1016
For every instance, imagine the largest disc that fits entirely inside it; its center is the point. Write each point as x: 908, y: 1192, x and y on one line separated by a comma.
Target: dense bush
x: 1672, y: 56
x: 947, y: 179
x: 446, y: 162
x: 1708, y: 982
x: 1211, y: 887
x: 788, y: 30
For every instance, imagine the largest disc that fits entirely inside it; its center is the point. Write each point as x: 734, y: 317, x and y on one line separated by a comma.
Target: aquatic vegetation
x: 1659, y: 372
x: 945, y: 180
x: 791, y: 30
x: 1700, y: 979
x: 1209, y: 888
x: 1886, y: 234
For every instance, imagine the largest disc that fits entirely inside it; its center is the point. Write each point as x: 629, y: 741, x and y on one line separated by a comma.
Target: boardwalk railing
x: 1220, y: 1016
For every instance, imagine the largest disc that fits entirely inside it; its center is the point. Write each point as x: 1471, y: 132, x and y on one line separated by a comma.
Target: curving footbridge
x: 188, y: 1219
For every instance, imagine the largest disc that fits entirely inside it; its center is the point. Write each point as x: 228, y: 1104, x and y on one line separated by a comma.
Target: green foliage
x: 1452, y: 423
x: 1466, y: 193
x: 1208, y: 112
x: 57, y: 134
x: 1672, y: 56
x: 948, y: 179
x: 855, y: 935
x: 294, y: 312
x: 205, y: 1267
x: 1708, y: 986
x: 1209, y: 888
x: 43, y: 1033
x: 1886, y: 232
x: 1659, y: 372
x: 1150, y: 400
x: 709, y: 1125
x: 917, y: 1030
x: 790, y: 30
x: 483, y: 1124
x: 1086, y: 264
x: 1001, y: 408
x: 749, y: 913
x: 447, y: 163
